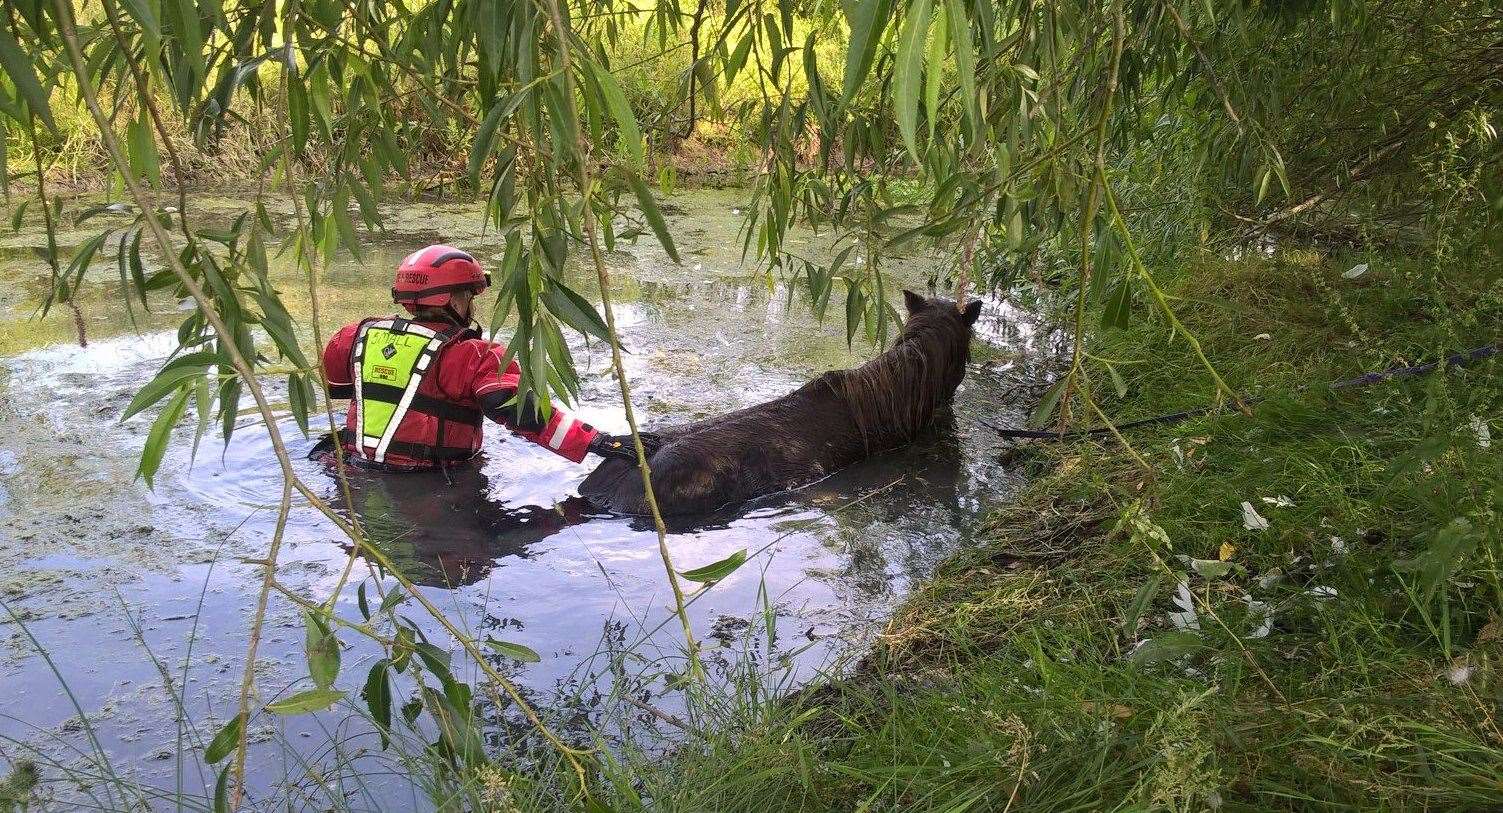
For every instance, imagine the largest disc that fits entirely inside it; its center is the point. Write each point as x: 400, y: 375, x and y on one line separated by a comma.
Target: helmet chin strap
x: 460, y: 321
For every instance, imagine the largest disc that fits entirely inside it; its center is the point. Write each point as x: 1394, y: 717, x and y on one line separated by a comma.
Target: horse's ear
x: 972, y: 312
x: 914, y: 302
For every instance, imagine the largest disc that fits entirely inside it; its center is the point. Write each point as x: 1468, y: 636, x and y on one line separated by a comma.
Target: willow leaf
x: 18, y: 66
x: 574, y: 310
x: 225, y: 741
x: 297, y: 114
x: 654, y: 216
x: 716, y: 571
x: 905, y: 90
x: 172, y: 374
x: 934, y: 71
x: 1045, y: 409
x: 377, y: 694
x: 321, y: 647
x: 144, y: 15
x: 485, y: 136
x: 867, y: 19
x: 156, y: 440
x: 305, y: 702
x: 628, y: 132
x: 516, y: 651
x: 965, y: 63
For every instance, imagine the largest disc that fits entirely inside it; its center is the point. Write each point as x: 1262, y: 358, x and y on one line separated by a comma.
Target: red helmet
x: 427, y: 277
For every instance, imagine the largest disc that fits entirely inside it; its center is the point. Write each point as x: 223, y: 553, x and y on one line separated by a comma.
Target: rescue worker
x: 420, y: 386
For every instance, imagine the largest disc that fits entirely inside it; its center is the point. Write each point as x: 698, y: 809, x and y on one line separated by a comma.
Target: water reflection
x: 444, y: 529
x: 450, y: 529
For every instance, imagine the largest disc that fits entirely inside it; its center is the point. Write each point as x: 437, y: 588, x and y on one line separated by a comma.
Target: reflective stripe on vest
x: 390, y: 359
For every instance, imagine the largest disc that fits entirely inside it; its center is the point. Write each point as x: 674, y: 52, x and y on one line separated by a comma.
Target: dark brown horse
x: 833, y: 421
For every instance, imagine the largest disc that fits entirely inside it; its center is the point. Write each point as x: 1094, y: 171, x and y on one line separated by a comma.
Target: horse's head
x: 942, y: 331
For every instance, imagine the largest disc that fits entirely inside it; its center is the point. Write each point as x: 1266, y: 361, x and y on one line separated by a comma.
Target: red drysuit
x: 443, y: 425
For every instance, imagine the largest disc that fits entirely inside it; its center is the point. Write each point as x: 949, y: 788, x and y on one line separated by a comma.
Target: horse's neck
x: 903, y: 365
x: 892, y: 396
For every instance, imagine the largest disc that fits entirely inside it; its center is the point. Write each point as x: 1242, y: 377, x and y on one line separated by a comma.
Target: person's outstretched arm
x: 496, y: 390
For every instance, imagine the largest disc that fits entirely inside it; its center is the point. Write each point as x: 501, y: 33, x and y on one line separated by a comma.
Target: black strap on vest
x: 428, y: 405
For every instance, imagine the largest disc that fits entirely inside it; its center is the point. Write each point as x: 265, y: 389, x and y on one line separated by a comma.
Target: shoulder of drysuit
x: 476, y: 354
x: 346, y: 334
x: 472, y: 367
x: 337, y: 354
x: 343, y: 341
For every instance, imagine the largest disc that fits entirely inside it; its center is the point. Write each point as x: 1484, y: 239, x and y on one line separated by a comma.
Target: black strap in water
x: 1455, y: 360
x: 325, y: 445
x: 417, y: 451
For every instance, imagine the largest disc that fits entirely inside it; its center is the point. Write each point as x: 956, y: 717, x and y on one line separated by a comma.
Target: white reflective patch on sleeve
x: 565, y: 423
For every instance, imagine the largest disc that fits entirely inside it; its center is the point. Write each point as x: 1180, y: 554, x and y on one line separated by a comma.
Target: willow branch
x: 143, y: 91
x: 586, y: 187
x: 1088, y: 216
x: 1163, y: 302
x: 1205, y: 63
x: 227, y: 345
x: 341, y: 471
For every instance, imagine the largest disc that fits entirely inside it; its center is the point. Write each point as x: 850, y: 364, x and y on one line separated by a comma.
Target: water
x: 108, y: 575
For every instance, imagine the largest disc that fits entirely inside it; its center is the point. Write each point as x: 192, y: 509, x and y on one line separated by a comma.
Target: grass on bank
x: 1345, y: 656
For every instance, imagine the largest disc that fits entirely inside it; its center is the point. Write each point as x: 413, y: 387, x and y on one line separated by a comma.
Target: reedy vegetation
x: 1070, y: 145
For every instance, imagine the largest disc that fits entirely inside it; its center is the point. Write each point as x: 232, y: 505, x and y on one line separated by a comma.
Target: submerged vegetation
x: 1293, y: 607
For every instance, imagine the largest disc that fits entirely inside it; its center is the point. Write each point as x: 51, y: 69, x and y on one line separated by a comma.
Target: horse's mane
x: 895, y: 395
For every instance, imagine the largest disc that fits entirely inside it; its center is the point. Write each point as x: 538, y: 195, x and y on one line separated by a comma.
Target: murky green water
x: 108, y: 575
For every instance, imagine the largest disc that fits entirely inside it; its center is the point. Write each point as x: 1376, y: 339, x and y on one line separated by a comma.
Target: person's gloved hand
x: 617, y: 446
x: 621, y: 446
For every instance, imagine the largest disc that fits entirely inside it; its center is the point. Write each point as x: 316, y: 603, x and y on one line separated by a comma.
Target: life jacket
x: 390, y: 359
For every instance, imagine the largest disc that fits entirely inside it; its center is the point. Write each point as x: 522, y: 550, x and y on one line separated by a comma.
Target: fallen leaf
x: 1356, y: 271
x: 1263, y: 337
x: 1228, y: 550
x: 1251, y: 519
x: 1322, y: 593
x: 1117, y: 710
x: 1483, y: 433
x: 1281, y: 501
x: 1170, y: 646
x: 1186, y: 618
x: 1212, y: 568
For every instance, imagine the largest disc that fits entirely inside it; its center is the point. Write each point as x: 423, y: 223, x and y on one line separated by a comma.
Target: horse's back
x: 703, y: 466
x: 827, y: 424
x: 685, y: 480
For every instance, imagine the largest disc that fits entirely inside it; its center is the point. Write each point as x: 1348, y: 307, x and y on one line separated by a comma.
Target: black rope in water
x: 1455, y: 360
